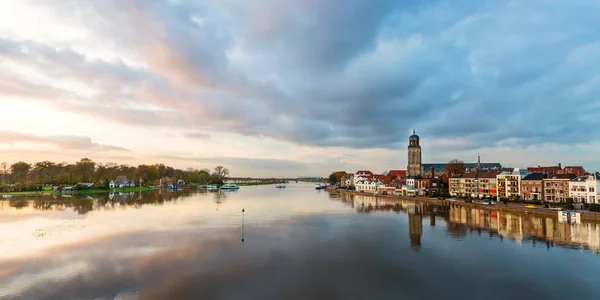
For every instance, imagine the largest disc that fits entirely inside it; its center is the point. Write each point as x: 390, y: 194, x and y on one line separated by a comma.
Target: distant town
x: 571, y: 187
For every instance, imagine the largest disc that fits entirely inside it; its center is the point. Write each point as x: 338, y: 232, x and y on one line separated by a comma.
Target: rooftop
x: 563, y: 176
x: 534, y: 176
x: 441, y: 167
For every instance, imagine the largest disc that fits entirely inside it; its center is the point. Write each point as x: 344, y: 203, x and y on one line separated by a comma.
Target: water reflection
x: 83, y: 204
x: 461, y: 221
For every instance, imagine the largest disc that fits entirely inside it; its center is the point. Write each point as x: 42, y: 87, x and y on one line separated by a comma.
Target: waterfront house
x: 556, y: 187
x: 121, y: 182
x: 585, y: 189
x: 387, y: 189
x: 366, y: 185
x: 486, y: 184
x: 347, y: 180
x: 455, y: 186
x: 407, y: 191
x: 463, y: 185
x: 509, y: 183
x: 532, y: 187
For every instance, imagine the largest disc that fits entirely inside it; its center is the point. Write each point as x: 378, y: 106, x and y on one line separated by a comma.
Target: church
x: 416, y: 168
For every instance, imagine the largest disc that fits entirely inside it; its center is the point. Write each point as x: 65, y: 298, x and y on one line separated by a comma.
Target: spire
x: 478, y: 167
x: 414, y: 131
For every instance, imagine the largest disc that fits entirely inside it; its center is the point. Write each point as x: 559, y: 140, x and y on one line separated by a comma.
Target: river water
x: 292, y: 243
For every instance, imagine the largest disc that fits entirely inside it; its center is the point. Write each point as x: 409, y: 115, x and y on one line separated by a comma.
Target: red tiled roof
x: 470, y: 175
x: 489, y: 174
x: 397, y: 173
x: 382, y: 178
x: 549, y: 170
x: 364, y: 172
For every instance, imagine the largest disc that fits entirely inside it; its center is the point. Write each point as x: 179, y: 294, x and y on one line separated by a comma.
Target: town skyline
x: 301, y: 89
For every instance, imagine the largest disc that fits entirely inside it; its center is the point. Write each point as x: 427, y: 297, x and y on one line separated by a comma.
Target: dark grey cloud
x: 336, y: 73
x: 65, y: 142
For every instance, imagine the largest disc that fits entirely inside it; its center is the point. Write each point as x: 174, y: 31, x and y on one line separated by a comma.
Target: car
x: 530, y: 206
x: 557, y: 208
x: 486, y: 202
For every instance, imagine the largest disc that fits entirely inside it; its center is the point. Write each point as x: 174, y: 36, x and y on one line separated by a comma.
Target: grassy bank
x: 78, y: 192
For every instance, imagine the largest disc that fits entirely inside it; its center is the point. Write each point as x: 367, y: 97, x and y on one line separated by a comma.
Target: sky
x: 300, y: 88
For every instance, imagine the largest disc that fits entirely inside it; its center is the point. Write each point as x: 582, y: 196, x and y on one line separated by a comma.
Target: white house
x: 367, y: 186
x: 585, y: 189
x: 121, y: 182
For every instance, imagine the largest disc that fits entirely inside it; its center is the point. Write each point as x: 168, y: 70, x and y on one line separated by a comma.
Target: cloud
x: 337, y: 73
x: 64, y: 142
x: 241, y: 163
x: 198, y: 135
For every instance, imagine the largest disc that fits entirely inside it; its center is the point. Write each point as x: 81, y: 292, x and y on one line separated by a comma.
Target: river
x: 292, y: 243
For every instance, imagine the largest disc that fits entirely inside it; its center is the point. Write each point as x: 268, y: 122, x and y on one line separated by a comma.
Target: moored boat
x: 320, y: 186
x: 280, y: 186
x: 230, y: 186
x: 212, y: 187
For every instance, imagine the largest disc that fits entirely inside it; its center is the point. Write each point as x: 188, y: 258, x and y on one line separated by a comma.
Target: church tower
x: 414, y: 155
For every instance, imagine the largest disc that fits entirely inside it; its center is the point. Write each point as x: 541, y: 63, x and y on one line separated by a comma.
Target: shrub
x: 595, y: 207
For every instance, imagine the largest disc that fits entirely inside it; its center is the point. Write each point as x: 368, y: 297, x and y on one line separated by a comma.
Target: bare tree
x: 221, y: 172
x: 455, y: 167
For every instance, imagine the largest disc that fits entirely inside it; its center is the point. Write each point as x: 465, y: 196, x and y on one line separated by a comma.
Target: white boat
x: 230, y: 186
x: 212, y: 187
x: 320, y: 186
x: 280, y: 186
x: 6, y: 196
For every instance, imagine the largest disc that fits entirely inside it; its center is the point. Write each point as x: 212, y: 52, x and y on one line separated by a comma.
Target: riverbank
x: 586, y: 216
x: 78, y: 192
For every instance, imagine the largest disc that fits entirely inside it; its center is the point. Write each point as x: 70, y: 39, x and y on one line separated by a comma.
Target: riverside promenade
x: 586, y: 216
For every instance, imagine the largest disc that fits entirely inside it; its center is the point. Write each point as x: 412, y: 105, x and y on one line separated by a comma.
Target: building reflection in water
x: 415, y: 230
x: 461, y: 221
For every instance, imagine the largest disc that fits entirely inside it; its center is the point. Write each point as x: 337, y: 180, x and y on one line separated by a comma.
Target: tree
x: 214, y: 179
x: 336, y: 177
x: 85, y: 169
x: 45, y: 171
x: 4, y: 170
x: 455, y: 167
x: 221, y: 173
x: 203, y: 176
x: 19, y: 171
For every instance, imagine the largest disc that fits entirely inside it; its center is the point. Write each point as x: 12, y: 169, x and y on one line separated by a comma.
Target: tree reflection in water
x: 83, y: 204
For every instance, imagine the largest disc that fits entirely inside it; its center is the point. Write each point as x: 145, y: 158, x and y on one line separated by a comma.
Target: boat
x: 230, y: 186
x: 280, y: 186
x: 212, y: 187
x: 320, y: 186
x: 6, y: 196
